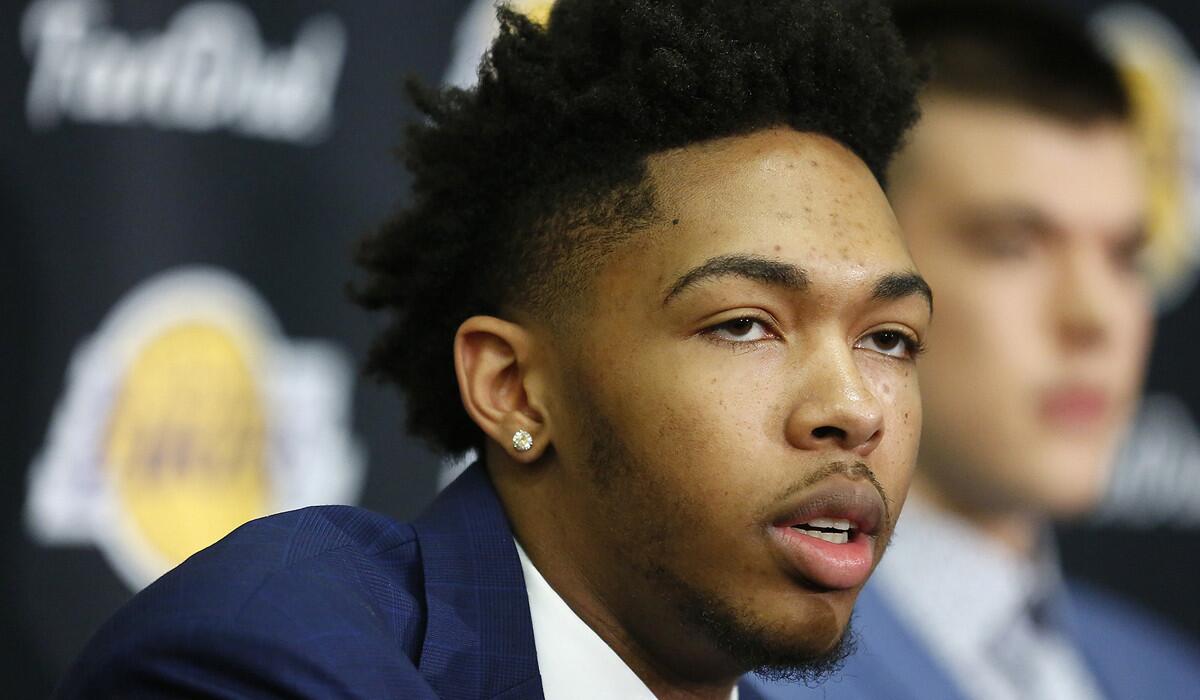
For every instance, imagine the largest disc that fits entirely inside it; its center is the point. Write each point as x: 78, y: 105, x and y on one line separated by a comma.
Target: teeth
x: 830, y: 523
x: 834, y: 537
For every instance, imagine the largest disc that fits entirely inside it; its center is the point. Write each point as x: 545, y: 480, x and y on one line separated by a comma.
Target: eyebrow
x: 900, y: 285
x: 753, y: 267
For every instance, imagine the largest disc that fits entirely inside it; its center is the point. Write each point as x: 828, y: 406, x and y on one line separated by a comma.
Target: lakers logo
x: 1159, y: 72
x: 185, y: 417
x: 186, y: 450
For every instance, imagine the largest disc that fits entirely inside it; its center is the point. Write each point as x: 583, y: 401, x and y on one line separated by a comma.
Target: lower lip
x: 826, y: 564
x: 1075, y: 409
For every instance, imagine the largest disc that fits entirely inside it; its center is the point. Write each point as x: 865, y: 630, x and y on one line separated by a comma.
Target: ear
x: 492, y: 362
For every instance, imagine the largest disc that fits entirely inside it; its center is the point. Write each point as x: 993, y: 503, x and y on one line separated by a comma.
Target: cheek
x: 910, y: 415
x: 687, y: 501
x: 1134, y: 334
x: 895, y: 386
x: 713, y: 422
x: 988, y: 318
x: 986, y: 339
x: 689, y: 421
x: 716, y: 391
x: 711, y: 432
x: 898, y: 392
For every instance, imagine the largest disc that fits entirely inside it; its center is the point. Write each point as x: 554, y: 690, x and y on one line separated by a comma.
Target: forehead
x: 982, y: 153
x: 778, y: 193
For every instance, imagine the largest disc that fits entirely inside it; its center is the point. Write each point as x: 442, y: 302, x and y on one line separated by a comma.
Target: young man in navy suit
x: 1021, y: 196
x: 649, y: 274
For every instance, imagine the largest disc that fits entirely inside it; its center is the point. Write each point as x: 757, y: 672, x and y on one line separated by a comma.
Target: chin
x: 781, y: 635
x: 1072, y: 503
x: 814, y: 634
x: 1077, y: 488
x: 809, y: 660
x: 807, y: 640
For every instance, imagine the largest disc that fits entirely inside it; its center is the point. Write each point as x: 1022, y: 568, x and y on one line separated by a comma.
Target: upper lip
x: 1075, y: 393
x: 855, y: 499
x: 1076, y: 387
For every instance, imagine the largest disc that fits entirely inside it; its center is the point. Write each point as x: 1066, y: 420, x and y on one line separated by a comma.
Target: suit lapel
x: 1104, y: 652
x: 478, y: 635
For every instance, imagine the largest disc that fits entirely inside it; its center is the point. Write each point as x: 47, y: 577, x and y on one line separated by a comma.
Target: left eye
x: 890, y: 343
x: 741, y: 330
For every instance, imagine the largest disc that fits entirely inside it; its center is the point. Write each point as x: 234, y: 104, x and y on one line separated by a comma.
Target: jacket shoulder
x: 1135, y: 653
x: 323, y: 601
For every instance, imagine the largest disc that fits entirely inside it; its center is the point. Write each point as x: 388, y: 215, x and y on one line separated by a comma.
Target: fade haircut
x: 523, y: 184
x: 1014, y: 52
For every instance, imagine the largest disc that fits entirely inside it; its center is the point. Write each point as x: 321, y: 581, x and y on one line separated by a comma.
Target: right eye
x: 1006, y: 244
x: 741, y: 330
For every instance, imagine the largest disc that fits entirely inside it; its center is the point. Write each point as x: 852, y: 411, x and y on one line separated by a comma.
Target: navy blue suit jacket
x: 332, y: 602
x: 1131, y: 657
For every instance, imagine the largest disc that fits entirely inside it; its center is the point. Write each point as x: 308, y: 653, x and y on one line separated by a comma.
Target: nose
x: 836, y: 410
x: 1081, y: 314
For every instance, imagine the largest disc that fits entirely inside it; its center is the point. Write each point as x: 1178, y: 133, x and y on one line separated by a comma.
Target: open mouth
x: 835, y: 530
x: 827, y: 536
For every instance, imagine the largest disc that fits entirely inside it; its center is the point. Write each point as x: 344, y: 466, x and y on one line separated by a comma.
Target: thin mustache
x: 850, y: 470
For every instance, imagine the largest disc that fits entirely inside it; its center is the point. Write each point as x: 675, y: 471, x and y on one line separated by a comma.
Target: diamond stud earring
x: 522, y: 441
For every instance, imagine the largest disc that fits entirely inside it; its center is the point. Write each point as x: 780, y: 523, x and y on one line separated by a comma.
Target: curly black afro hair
x: 523, y: 184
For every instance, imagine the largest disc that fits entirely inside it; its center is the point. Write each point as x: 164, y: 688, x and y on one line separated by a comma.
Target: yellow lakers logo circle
x: 186, y: 448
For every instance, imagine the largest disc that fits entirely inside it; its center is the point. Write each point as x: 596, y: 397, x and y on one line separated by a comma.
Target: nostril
x: 826, y: 432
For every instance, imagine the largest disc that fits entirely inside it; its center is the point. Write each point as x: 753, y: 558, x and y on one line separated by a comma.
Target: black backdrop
x: 101, y: 200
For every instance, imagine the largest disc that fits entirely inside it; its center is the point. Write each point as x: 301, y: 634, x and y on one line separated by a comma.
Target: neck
x: 1014, y: 529
x: 560, y: 555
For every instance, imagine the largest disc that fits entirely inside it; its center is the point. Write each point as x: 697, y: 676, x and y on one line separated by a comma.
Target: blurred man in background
x: 1021, y: 196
